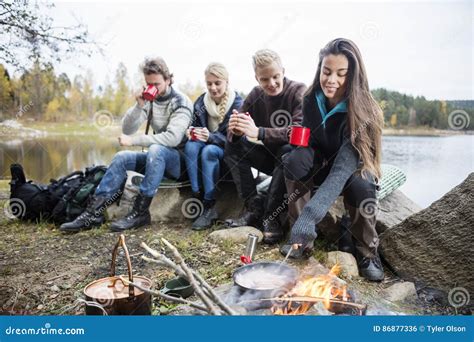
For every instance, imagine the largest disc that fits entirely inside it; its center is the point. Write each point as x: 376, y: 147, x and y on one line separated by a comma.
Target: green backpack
x: 75, y: 200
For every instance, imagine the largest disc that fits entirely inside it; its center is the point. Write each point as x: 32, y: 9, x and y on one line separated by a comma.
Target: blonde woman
x: 204, y: 150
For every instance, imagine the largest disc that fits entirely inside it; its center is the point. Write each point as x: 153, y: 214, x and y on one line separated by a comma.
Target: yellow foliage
x: 393, y: 120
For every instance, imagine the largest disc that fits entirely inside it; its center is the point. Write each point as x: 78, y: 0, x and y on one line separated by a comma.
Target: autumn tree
x: 28, y: 35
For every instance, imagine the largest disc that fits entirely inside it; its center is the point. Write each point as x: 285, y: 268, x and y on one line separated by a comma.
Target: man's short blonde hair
x: 265, y: 57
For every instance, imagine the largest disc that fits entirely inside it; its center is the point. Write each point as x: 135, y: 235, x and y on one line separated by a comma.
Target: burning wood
x: 327, y: 288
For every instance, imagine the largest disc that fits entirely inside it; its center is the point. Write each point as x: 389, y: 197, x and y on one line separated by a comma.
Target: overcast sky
x: 419, y: 48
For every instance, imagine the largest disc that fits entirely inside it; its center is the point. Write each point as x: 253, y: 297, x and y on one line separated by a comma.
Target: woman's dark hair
x: 365, y: 117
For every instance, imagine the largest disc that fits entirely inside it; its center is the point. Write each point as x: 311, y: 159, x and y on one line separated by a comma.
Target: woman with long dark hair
x: 343, y: 156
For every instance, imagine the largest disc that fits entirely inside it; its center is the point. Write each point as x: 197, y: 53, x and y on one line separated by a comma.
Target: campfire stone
x: 400, y: 291
x: 312, y: 268
x: 237, y: 235
x: 434, y: 247
x: 347, y: 262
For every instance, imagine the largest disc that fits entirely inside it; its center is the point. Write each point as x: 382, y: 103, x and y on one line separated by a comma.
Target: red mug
x: 193, y: 134
x: 150, y: 92
x: 299, y: 136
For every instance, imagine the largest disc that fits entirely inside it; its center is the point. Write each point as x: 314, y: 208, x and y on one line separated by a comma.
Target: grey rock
x: 400, y: 292
x: 170, y: 205
x: 393, y: 209
x: 310, y: 268
x: 237, y: 235
x: 434, y: 247
x: 346, y: 261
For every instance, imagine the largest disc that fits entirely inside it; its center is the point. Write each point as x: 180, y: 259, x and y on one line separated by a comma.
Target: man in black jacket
x: 258, y: 137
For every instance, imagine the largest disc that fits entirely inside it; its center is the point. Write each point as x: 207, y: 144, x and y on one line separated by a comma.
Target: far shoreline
x: 19, y: 129
x: 423, y: 132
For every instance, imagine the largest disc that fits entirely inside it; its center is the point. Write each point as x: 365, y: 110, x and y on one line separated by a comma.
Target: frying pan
x: 290, y: 273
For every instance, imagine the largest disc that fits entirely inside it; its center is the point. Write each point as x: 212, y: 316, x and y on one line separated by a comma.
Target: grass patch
x: 4, y: 185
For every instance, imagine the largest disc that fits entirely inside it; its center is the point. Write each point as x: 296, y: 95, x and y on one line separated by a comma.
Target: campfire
x: 325, y: 288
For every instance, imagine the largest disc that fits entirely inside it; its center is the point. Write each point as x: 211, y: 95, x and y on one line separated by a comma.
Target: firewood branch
x: 202, y: 289
x: 162, y: 295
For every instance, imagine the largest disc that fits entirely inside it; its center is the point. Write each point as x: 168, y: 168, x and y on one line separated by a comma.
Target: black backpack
x: 60, y: 201
x: 76, y: 193
x: 28, y: 201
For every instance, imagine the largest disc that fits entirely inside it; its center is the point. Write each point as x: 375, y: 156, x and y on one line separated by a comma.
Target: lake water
x: 433, y: 165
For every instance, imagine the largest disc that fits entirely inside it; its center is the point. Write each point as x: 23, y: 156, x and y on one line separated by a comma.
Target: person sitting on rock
x: 343, y: 156
x: 172, y: 114
x: 258, y: 137
x: 204, y: 150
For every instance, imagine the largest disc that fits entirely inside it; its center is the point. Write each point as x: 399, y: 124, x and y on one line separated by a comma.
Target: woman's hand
x: 188, y: 132
x: 125, y: 140
x: 202, y: 134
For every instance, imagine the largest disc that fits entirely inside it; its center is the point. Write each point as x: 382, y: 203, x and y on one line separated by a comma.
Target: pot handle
x: 121, y: 243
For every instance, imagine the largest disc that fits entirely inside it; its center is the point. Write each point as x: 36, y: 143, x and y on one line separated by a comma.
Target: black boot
x: 207, y: 218
x: 371, y: 268
x: 345, y: 243
x: 275, y: 207
x: 93, y: 216
x: 251, y: 214
x: 272, y: 231
x: 137, y: 217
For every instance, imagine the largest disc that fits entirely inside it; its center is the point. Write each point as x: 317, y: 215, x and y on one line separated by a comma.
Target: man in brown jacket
x: 258, y: 138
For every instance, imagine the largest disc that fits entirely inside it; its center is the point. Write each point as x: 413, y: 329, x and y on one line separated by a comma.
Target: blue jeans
x: 158, y: 162
x: 210, y: 157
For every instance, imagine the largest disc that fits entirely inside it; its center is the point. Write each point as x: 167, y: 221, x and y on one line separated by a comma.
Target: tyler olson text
x: 447, y: 328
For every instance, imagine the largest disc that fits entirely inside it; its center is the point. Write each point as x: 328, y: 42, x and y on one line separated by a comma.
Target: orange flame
x: 327, y: 286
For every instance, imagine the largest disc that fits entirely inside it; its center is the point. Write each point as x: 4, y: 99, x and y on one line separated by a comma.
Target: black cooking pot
x: 288, y: 273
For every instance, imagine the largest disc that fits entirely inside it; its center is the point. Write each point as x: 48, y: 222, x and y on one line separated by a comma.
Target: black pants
x: 242, y: 155
x: 305, y: 170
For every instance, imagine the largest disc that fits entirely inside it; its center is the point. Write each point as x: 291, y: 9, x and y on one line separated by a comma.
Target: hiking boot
x: 371, y: 268
x: 251, y: 214
x: 272, y: 231
x: 138, y: 216
x: 207, y: 218
x: 93, y: 216
x: 345, y: 243
x: 302, y: 252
